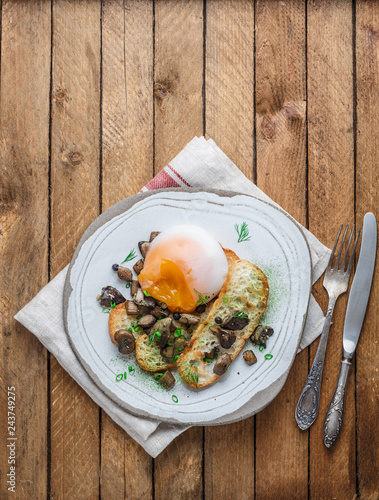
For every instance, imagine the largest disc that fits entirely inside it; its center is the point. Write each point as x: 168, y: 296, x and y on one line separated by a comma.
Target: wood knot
x: 60, y: 96
x: 290, y: 112
x: 161, y: 91
x: 75, y: 158
x: 268, y: 127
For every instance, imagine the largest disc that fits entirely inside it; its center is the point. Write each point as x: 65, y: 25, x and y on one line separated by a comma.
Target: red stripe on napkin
x: 161, y: 180
x: 178, y: 175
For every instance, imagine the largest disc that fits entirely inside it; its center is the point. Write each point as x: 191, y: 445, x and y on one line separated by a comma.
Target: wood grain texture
x: 24, y: 205
x: 178, y: 76
x: 178, y: 81
x: 331, y: 202
x: 367, y: 193
x: 229, y: 107
x: 229, y: 80
x: 74, y: 205
x: 127, y: 161
x: 280, y: 96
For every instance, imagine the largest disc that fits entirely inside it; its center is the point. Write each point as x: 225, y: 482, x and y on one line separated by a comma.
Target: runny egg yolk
x: 183, y: 264
x: 170, y: 286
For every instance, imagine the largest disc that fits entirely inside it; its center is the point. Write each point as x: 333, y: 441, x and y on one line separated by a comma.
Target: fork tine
x: 334, y: 247
x: 347, y: 249
x: 341, y: 247
x: 348, y: 270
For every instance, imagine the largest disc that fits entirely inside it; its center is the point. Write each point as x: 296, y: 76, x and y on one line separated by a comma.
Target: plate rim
x: 123, y: 206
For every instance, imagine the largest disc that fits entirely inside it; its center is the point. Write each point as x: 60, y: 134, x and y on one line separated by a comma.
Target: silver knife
x: 355, y: 314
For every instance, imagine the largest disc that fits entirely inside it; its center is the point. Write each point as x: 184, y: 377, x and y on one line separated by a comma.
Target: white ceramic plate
x: 276, y: 245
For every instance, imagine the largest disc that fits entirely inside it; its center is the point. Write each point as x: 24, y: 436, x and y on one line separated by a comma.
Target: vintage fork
x: 335, y: 282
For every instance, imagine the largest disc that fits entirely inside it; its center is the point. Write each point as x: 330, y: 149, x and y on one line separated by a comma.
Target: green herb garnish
x: 216, y: 352
x: 178, y: 333
x: 155, y: 335
x: 268, y: 356
x: 120, y: 376
x: 146, y: 293
x: 207, y: 360
x: 174, y: 398
x: 261, y: 348
x: 131, y: 255
x: 169, y: 343
x: 129, y: 329
x: 136, y: 328
x: 139, y: 316
x: 128, y: 284
x: 239, y: 314
x: 190, y: 373
x: 243, y: 232
x: 113, y: 305
x: 203, y: 299
x: 201, y: 342
x: 131, y: 370
x: 225, y: 299
x: 158, y: 376
x: 106, y: 310
x: 176, y: 357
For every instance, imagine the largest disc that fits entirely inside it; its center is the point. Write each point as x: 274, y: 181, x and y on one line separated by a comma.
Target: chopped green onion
x: 207, y: 360
x: 136, y: 328
x: 268, y: 356
x: 178, y: 332
x: 225, y: 299
x: 146, y: 293
x: 176, y: 357
x: 139, y: 316
x: 129, y: 329
x: 201, y: 341
x: 169, y: 343
x: 261, y: 348
x: 174, y: 398
x: 106, y: 310
x: 113, y: 305
x: 159, y: 375
x: 179, y: 349
x: 216, y: 352
x: 120, y: 376
x: 127, y: 285
x: 160, y: 317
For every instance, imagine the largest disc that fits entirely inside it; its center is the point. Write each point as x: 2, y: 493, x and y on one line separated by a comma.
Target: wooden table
x: 96, y: 99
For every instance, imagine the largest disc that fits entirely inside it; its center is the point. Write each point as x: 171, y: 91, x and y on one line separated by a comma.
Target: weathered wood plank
x: 74, y: 205
x: 367, y: 193
x: 280, y: 96
x: 331, y: 202
x: 178, y: 76
x: 24, y: 206
x: 229, y: 107
x: 178, y: 82
x: 127, y: 159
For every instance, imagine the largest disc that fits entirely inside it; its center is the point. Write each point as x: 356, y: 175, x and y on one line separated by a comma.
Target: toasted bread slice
x: 149, y: 355
x: 246, y: 290
x: 119, y: 319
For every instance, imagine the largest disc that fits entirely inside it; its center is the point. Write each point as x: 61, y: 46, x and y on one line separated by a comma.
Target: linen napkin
x: 201, y: 164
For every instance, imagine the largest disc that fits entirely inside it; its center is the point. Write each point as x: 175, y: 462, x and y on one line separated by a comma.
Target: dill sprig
x: 240, y: 314
x: 131, y: 255
x: 243, y: 232
x: 189, y: 373
x: 203, y: 299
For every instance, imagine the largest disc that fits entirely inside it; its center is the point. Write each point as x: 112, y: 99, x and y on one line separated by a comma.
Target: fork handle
x: 308, y: 404
x: 334, y: 416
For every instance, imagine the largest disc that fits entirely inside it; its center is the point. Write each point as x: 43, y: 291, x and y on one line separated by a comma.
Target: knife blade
x: 361, y: 287
x: 355, y: 315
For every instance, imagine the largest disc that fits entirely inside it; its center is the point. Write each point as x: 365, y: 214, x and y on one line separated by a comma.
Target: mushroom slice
x: 143, y: 247
x: 168, y: 352
x: 147, y: 321
x: 261, y: 334
x: 153, y: 235
x: 167, y: 379
x: 125, y: 341
x: 138, y: 266
x: 124, y: 274
x: 249, y: 357
x: 225, y: 338
x: 131, y: 308
x: 188, y: 319
x: 110, y: 296
x: 141, y: 300
x: 134, y: 287
x: 222, y: 364
x: 236, y: 321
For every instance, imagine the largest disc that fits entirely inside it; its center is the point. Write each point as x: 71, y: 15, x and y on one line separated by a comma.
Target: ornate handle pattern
x: 308, y: 404
x: 334, y: 416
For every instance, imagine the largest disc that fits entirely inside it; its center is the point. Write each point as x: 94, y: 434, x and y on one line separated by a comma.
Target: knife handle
x: 334, y: 416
